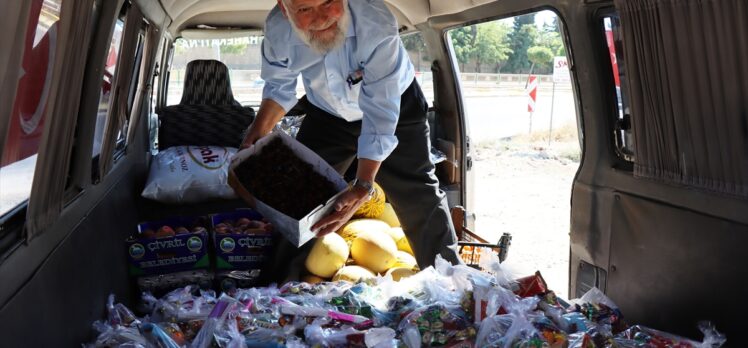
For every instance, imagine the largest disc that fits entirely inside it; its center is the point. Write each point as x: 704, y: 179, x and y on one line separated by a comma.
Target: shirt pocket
x: 352, y: 92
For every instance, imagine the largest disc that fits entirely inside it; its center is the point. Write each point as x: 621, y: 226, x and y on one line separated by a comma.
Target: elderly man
x: 364, y: 105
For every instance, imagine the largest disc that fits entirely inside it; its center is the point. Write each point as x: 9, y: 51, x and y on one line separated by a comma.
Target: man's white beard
x: 321, y: 46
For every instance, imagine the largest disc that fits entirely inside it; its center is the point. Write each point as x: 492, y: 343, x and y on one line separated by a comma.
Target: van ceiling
x: 251, y: 13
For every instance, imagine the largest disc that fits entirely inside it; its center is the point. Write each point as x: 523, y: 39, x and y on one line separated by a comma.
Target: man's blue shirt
x: 372, y: 46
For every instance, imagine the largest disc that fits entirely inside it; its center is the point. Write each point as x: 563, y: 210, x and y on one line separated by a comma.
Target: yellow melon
x: 374, y: 250
x: 327, y: 256
x: 353, y: 274
x: 405, y: 260
x: 351, y: 230
x: 403, y: 245
x: 374, y: 207
x: 312, y: 279
x: 398, y: 273
x: 388, y: 216
x: 396, y: 233
x: 398, y: 236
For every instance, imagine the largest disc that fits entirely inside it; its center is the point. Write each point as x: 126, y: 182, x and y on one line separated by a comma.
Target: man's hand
x: 269, y: 114
x: 253, y: 134
x: 349, y: 202
x: 346, y: 205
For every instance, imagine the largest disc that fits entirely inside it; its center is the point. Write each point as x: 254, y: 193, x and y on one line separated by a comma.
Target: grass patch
x: 564, y: 144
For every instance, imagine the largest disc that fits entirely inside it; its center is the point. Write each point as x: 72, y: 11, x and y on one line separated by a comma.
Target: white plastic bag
x: 190, y: 174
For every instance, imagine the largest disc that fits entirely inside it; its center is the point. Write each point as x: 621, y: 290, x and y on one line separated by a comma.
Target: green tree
x: 463, y: 42
x: 550, y: 37
x: 233, y: 49
x: 540, y: 56
x: 415, y: 43
x: 521, y: 38
x: 491, y: 45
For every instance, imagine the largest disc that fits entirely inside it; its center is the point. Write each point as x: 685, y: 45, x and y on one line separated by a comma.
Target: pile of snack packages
x: 442, y: 305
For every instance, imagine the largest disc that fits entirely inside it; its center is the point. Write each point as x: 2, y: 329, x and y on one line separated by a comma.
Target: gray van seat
x: 218, y: 125
x: 207, y: 82
x: 208, y: 113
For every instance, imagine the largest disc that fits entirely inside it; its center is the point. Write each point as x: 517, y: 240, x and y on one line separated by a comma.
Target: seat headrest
x: 207, y: 82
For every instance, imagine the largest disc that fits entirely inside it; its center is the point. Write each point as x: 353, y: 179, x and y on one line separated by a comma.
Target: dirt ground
x: 524, y: 187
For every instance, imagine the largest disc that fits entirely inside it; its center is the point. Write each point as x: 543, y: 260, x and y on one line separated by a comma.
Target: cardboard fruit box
x: 241, y: 251
x: 296, y: 231
x: 161, y: 247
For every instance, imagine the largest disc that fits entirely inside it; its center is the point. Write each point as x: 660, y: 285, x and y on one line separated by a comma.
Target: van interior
x: 659, y: 204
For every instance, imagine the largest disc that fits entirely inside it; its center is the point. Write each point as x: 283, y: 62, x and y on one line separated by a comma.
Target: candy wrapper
x: 437, y: 325
x: 353, y: 302
x: 291, y: 125
x: 596, y: 308
x: 548, y: 331
x: 530, y: 286
x: 156, y: 336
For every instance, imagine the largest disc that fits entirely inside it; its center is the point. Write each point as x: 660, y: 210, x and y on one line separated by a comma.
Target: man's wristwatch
x: 367, y: 185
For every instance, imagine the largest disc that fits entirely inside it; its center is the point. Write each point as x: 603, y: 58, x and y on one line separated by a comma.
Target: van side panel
x: 691, y: 264
x: 56, y: 306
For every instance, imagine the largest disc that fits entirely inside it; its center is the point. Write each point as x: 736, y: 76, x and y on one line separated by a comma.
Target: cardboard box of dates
x: 286, y: 182
x: 242, y: 240
x: 167, y: 246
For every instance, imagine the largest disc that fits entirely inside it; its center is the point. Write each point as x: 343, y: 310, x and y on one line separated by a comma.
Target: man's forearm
x: 267, y: 117
x: 367, y: 169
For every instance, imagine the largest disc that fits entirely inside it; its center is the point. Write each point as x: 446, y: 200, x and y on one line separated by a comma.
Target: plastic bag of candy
x: 549, y: 331
x: 437, y: 325
x: 216, y: 318
x: 508, y: 330
x: 596, y: 308
x: 490, y: 299
x: 320, y: 334
x: 181, y: 305
x: 516, y: 327
x: 116, y: 336
x: 120, y: 327
x: 227, y: 333
x: 156, y: 336
x: 353, y: 302
x: 119, y: 314
x: 489, y: 262
x: 641, y: 336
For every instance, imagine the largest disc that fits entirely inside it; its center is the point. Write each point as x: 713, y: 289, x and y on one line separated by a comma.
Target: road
x: 505, y: 113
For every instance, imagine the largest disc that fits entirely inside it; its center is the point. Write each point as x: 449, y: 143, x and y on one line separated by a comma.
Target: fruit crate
x: 471, y: 245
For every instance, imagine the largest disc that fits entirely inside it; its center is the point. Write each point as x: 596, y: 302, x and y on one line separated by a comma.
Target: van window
x: 107, y: 84
x: 240, y: 54
x: 107, y: 111
x: 416, y: 48
x: 524, y: 147
x: 27, y: 118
